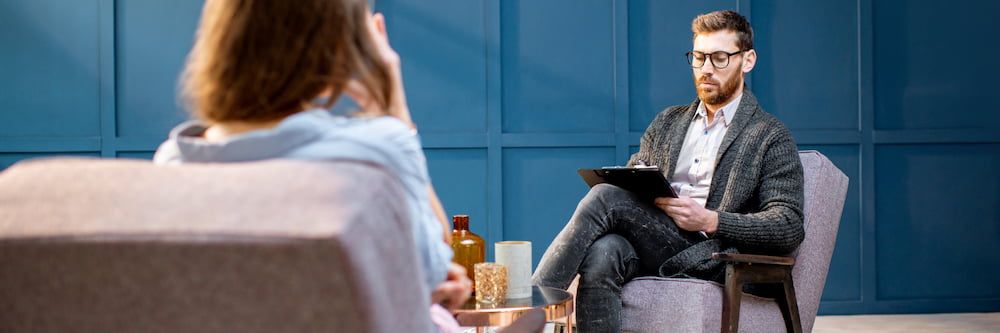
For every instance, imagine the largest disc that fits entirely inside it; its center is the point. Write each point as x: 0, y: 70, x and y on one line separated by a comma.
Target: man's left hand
x: 688, y: 214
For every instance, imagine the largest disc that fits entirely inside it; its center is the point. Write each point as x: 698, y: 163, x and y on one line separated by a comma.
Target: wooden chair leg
x: 789, y: 306
x: 731, y: 301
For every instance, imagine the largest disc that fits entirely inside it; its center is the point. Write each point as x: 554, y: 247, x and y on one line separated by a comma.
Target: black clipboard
x: 645, y: 182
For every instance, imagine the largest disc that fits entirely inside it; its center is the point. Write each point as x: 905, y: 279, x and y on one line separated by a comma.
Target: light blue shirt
x: 319, y: 135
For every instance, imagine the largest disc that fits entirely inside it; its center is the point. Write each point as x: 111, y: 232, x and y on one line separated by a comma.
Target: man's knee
x: 605, y: 197
x: 609, y: 257
x: 606, y: 190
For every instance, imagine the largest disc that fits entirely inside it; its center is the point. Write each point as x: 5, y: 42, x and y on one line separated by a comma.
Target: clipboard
x: 645, y: 182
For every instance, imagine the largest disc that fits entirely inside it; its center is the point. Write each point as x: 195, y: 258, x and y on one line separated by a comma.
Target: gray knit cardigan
x: 756, y: 188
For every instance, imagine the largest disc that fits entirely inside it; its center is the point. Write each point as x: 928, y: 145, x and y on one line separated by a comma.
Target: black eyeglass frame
x: 709, y: 57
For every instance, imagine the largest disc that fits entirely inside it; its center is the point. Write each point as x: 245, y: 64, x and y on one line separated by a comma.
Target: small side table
x: 556, y: 303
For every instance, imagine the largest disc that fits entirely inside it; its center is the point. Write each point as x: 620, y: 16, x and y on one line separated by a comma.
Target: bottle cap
x: 461, y: 222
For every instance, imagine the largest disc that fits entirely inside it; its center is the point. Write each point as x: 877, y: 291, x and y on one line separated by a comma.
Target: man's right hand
x: 689, y: 214
x: 455, y: 290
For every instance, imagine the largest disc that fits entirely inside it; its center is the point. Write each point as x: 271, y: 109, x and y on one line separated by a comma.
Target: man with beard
x: 735, y: 168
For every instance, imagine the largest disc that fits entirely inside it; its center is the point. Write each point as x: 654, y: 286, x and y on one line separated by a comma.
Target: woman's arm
x: 439, y: 213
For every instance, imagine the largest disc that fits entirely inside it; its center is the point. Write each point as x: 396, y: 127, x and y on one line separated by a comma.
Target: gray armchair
x: 652, y: 304
x: 126, y: 246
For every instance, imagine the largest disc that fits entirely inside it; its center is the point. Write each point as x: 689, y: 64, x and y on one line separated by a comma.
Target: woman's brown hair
x: 262, y: 60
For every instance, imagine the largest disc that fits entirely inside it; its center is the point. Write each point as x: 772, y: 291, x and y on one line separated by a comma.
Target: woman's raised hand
x: 387, y: 56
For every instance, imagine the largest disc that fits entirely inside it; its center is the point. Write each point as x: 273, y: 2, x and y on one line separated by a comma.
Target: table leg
x: 480, y: 329
x: 569, y: 324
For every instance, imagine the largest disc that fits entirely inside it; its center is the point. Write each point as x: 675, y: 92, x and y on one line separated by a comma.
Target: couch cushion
x: 654, y: 304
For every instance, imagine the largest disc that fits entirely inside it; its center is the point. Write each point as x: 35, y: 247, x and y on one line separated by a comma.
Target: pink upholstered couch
x: 126, y: 246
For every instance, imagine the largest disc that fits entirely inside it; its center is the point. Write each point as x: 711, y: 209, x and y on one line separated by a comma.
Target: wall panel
x: 557, y: 66
x: 442, y: 43
x: 459, y: 177
x: 933, y: 71
x: 806, y: 72
x: 49, y: 69
x: 937, y: 230
x: 541, y: 190
x: 152, y: 39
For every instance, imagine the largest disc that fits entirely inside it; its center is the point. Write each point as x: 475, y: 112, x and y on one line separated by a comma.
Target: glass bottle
x: 470, y: 249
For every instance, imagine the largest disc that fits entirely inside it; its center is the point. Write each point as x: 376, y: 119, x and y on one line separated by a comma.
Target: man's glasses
x: 719, y: 59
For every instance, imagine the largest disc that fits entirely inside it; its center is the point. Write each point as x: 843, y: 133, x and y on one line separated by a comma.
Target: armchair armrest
x: 741, y: 269
x: 754, y: 259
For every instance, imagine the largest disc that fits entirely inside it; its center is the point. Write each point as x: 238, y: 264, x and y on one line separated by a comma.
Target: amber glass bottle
x: 470, y: 249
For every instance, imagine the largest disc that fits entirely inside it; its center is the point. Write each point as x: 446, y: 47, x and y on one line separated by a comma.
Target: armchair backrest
x: 277, y: 246
x: 825, y: 192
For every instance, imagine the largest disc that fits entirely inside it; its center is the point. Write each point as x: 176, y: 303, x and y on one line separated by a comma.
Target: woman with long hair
x: 260, y: 81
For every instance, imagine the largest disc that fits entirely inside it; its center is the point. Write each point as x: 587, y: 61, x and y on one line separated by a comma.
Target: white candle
x: 516, y: 255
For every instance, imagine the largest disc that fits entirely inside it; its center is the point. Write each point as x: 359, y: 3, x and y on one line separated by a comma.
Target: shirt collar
x: 291, y: 132
x: 728, y: 111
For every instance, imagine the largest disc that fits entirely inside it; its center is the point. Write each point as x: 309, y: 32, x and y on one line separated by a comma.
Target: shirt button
x: 696, y: 160
x: 706, y: 132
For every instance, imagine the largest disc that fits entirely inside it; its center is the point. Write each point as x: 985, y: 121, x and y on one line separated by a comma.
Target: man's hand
x: 455, y: 290
x: 688, y: 214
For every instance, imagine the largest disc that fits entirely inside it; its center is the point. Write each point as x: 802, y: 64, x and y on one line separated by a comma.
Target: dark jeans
x: 611, y: 238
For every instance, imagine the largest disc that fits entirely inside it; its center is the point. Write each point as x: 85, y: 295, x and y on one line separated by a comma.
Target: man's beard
x: 722, y: 93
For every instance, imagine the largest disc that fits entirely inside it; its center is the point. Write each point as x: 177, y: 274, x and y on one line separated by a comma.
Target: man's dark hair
x: 725, y: 20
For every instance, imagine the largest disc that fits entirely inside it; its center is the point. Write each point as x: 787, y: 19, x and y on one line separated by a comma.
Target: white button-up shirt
x: 696, y: 162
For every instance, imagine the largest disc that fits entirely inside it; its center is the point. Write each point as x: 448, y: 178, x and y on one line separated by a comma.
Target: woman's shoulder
x: 370, y: 127
x: 379, y: 139
x: 385, y: 132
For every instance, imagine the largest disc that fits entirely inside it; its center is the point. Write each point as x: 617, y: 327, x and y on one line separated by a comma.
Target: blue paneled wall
x: 512, y: 96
